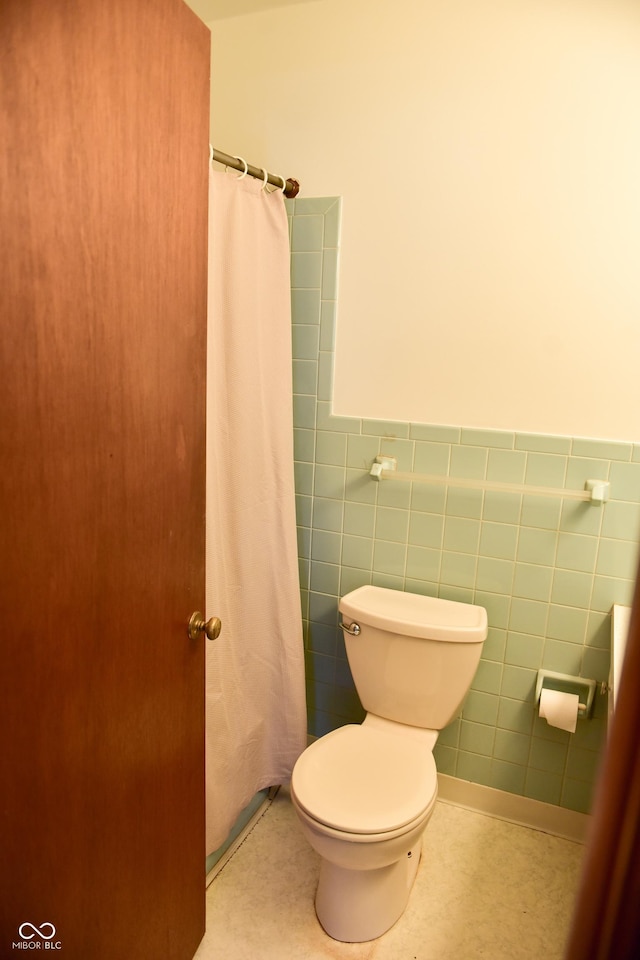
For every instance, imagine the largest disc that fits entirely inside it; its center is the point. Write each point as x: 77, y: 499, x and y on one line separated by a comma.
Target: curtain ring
x: 265, y: 177
x: 275, y: 189
x: 246, y: 168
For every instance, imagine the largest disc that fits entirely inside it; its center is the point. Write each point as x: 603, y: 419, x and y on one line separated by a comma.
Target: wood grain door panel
x: 103, y: 205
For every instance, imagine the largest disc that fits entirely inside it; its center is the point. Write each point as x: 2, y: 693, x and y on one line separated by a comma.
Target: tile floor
x: 485, y: 889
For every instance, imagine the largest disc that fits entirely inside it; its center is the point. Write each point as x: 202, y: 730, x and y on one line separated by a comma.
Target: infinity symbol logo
x: 36, y: 930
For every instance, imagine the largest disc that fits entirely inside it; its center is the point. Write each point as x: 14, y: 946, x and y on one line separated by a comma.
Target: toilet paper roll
x: 559, y: 709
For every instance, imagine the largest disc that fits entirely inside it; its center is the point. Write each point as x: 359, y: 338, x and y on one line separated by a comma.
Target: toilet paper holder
x: 586, y: 689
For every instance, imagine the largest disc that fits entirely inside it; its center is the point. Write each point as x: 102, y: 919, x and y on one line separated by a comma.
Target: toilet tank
x: 413, y: 658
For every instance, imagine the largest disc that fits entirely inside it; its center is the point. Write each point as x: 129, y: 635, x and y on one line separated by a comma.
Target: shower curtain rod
x: 291, y: 187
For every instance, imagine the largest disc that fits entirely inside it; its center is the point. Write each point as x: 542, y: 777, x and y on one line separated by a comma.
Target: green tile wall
x: 547, y: 570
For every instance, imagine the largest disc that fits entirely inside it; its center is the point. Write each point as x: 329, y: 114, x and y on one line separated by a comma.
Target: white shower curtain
x: 255, y: 699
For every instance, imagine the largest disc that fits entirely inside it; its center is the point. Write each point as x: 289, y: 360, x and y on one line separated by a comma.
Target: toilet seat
x: 362, y: 780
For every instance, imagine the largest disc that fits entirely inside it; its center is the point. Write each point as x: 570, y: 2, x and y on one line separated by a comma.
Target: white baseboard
x: 545, y: 817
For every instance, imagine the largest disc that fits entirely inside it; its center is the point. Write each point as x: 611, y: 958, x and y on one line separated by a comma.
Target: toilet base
x: 359, y: 905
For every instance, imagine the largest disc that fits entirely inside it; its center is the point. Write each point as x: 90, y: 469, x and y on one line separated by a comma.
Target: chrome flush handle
x: 352, y: 628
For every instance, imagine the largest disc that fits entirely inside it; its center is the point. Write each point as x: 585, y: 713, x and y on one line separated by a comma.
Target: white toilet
x: 364, y: 793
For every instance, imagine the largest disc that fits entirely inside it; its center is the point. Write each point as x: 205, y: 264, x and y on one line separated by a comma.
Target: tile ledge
x: 524, y: 811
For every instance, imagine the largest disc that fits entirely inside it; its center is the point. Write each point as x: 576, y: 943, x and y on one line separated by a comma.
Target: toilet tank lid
x: 415, y: 615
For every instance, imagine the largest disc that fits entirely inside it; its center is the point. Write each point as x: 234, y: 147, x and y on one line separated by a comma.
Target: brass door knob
x: 198, y: 625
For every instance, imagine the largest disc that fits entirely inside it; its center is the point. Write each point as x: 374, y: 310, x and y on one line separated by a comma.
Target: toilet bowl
x: 364, y: 793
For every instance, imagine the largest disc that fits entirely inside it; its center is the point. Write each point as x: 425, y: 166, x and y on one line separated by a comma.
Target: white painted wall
x: 487, y: 153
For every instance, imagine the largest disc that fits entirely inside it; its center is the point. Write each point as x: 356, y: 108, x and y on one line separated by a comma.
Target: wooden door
x: 103, y: 212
